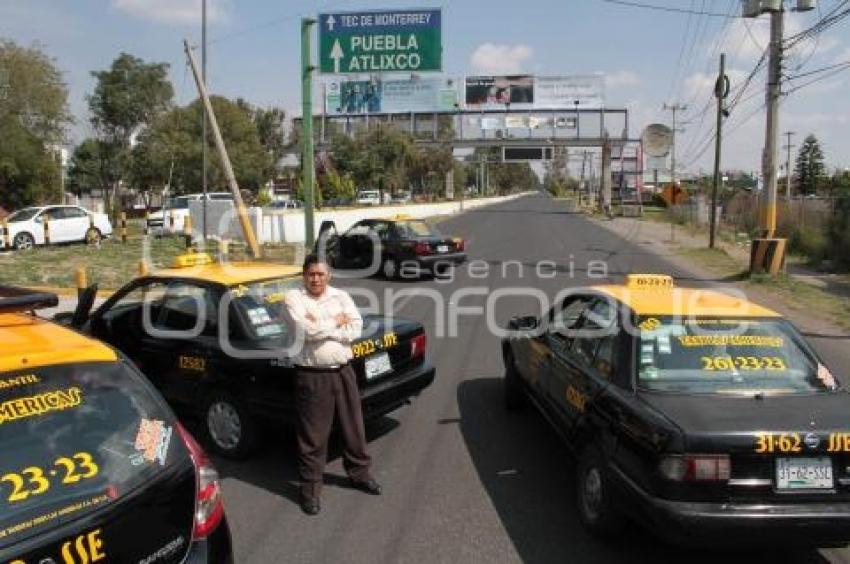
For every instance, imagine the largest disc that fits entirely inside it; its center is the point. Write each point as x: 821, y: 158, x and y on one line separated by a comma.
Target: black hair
x: 310, y: 260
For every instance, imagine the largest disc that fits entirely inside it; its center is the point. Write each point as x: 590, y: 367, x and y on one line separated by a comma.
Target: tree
x: 88, y: 167
x: 171, y: 149
x: 809, y: 168
x: 33, y: 118
x: 127, y: 98
x: 270, y: 128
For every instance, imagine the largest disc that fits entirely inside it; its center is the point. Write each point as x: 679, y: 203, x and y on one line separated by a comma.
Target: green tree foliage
x: 338, y: 185
x: 33, y: 118
x: 127, y: 98
x: 809, y: 169
x: 270, y: 128
x: 89, y: 167
x: 171, y: 149
x: 378, y: 158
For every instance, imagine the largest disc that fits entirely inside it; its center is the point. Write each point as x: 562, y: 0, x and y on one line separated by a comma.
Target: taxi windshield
x: 76, y: 438
x: 262, y: 304
x: 726, y: 356
x: 415, y: 229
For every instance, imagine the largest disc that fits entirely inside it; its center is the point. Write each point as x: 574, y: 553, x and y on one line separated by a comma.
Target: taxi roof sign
x: 649, y: 281
x: 193, y: 259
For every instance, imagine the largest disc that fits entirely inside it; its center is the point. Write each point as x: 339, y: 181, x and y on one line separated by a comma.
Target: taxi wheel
x: 515, y: 398
x: 594, y: 497
x: 230, y: 429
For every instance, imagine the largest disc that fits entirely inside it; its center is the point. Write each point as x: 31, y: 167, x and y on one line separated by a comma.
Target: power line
x: 668, y: 8
x: 818, y: 79
x: 820, y: 70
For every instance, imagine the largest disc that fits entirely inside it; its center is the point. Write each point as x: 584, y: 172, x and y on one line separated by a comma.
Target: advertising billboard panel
x: 492, y: 92
x: 534, y: 92
x: 352, y: 97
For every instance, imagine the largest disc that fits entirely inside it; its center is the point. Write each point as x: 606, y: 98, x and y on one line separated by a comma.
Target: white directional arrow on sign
x: 336, y: 55
x: 331, y: 21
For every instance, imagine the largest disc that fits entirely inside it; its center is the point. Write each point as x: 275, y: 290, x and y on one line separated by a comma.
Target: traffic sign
x: 381, y: 41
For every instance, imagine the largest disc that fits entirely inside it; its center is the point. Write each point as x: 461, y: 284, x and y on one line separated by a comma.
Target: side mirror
x: 524, y: 323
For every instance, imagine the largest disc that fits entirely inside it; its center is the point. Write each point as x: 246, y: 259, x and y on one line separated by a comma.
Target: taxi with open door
x: 94, y: 465
x: 700, y: 415
x: 215, y: 337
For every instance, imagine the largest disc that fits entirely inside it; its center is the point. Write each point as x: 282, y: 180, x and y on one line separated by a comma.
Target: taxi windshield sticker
x: 39, y: 404
x: 825, y: 376
x: 152, y: 440
x: 259, y: 316
x: 730, y: 341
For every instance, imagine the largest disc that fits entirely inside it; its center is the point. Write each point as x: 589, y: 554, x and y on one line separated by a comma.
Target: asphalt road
x: 464, y: 481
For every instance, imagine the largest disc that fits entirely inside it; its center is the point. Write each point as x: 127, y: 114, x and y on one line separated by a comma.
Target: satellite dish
x: 657, y: 139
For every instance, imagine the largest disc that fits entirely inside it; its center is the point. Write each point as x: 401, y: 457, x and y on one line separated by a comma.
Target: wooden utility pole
x: 241, y: 212
x: 721, y: 91
x: 674, y: 108
x: 788, y: 146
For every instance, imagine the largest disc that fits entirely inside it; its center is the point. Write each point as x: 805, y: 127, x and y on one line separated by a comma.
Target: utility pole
x: 788, y: 146
x: 241, y: 213
x: 721, y: 91
x: 307, y: 157
x: 768, y: 211
x: 204, y: 164
x: 674, y: 108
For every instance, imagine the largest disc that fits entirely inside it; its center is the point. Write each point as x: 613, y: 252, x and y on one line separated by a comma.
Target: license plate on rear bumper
x: 442, y: 248
x: 377, y: 365
x: 804, y: 473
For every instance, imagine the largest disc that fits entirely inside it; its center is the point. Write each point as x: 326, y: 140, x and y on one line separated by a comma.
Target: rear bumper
x: 384, y: 397
x: 429, y: 263
x: 738, y: 524
x: 215, y: 549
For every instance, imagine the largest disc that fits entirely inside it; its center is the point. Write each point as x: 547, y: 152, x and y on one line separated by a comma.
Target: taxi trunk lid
x: 385, y: 339
x: 759, y: 433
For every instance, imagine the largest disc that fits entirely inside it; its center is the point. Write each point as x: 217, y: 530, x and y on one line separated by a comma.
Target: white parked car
x: 172, y: 217
x: 66, y: 224
x: 368, y: 198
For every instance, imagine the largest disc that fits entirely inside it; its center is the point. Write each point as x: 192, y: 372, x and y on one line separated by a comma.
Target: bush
x: 811, y: 242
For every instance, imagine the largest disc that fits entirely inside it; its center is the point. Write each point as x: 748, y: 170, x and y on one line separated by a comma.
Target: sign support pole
x: 307, y: 153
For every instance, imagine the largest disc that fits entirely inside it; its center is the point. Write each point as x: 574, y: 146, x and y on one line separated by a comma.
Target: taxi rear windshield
x: 415, y: 229
x: 75, y: 439
x: 726, y: 356
x: 262, y: 305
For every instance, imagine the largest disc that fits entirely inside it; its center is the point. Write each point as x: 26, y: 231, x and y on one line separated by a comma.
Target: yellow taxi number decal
x: 193, y: 363
x: 728, y: 363
x: 576, y: 398
x: 838, y: 442
x: 33, y: 480
x: 84, y: 549
x: 369, y: 346
x: 781, y: 442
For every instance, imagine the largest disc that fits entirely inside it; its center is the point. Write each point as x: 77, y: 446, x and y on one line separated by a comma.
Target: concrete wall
x: 287, y: 226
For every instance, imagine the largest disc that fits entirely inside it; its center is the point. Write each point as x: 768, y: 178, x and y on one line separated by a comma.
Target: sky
x: 649, y: 57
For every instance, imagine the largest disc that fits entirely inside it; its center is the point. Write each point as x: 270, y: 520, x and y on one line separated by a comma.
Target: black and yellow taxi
x: 215, y: 337
x: 701, y: 415
x: 399, y: 246
x: 94, y: 466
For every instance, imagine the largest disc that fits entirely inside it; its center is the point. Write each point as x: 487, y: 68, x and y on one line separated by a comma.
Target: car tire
x: 93, y: 236
x: 229, y: 429
x: 23, y: 241
x: 594, y: 498
x: 389, y: 268
x: 515, y: 398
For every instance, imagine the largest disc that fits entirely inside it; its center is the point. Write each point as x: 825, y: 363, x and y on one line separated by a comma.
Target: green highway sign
x: 381, y: 41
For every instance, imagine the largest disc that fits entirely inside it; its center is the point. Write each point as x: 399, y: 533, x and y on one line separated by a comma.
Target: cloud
x: 621, y: 78
x: 489, y: 58
x: 171, y: 12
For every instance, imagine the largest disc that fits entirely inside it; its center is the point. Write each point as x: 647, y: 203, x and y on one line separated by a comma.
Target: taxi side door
x: 584, y: 367
x: 180, y: 349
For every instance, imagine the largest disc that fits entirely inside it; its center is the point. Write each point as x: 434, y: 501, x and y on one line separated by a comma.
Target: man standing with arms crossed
x: 325, y: 383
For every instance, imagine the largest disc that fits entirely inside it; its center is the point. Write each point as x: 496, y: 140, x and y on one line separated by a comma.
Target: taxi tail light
x: 460, y: 244
x: 418, y: 345
x: 209, y: 505
x: 696, y: 467
x: 422, y: 248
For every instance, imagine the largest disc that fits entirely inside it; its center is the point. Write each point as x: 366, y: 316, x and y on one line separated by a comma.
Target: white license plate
x: 804, y: 473
x: 377, y: 364
x: 442, y: 248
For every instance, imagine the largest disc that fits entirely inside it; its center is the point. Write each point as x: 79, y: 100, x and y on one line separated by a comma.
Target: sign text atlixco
x: 380, y: 41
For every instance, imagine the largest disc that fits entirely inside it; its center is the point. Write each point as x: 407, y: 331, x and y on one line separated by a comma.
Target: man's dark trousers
x: 320, y: 394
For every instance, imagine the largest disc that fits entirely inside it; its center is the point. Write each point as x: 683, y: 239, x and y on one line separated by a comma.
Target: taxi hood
x: 713, y: 414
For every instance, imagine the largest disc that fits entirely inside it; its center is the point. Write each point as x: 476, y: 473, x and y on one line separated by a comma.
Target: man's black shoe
x: 310, y: 505
x: 369, y: 486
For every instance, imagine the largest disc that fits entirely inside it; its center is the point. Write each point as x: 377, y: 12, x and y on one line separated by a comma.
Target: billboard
x: 353, y: 97
x: 486, y: 92
x: 535, y: 92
